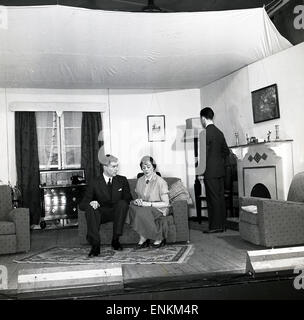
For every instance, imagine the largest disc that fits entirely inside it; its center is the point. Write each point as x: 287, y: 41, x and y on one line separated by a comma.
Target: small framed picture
x: 156, y: 128
x: 265, y: 104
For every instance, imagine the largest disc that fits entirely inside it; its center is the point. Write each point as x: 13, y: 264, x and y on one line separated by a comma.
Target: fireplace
x: 265, y: 169
x: 266, y: 175
x: 260, y: 191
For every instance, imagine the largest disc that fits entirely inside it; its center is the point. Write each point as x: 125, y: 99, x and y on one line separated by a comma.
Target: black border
x: 277, y: 106
x: 154, y: 116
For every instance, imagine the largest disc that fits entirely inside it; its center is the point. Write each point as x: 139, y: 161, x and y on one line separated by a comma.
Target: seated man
x: 106, y: 199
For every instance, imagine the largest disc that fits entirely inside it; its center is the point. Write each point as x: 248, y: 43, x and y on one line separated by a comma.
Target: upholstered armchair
x: 273, y: 223
x: 14, y: 224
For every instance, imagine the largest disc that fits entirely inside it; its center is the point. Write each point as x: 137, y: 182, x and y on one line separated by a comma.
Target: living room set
x: 15, y: 222
x: 264, y: 222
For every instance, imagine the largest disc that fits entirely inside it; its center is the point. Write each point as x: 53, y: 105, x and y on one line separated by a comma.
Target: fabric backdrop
x: 65, y: 47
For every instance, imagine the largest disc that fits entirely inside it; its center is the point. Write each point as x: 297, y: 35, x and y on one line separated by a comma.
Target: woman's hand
x: 138, y: 202
x: 146, y: 204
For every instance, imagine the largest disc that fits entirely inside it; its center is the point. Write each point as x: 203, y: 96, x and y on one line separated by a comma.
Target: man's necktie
x: 109, y: 184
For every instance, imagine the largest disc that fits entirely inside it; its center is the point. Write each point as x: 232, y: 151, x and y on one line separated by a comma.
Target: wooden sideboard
x: 60, y: 195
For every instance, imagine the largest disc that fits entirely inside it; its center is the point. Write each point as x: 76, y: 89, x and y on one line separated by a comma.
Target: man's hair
x: 145, y: 159
x: 207, y: 113
x: 107, y: 159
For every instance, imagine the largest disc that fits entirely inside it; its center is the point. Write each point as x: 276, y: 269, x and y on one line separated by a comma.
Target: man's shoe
x: 116, y: 245
x: 214, y: 231
x: 95, y: 251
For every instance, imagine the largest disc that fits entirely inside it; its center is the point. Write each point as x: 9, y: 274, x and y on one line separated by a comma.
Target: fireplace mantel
x: 269, y: 143
x: 269, y: 163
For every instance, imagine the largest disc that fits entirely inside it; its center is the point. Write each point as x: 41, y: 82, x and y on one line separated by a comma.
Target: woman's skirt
x: 147, y: 222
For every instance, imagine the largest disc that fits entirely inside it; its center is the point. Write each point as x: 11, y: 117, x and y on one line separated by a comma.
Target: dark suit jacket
x: 98, y: 191
x: 216, y: 152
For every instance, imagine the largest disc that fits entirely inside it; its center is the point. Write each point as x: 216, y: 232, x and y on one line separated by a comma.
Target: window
x: 59, y: 139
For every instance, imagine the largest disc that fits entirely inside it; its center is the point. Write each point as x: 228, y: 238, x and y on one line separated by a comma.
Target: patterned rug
x: 175, y: 253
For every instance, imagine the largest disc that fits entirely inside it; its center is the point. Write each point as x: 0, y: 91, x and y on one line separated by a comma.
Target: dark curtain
x: 27, y: 162
x: 90, y: 146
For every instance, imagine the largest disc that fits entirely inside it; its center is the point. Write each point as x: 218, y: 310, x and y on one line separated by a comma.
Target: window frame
x: 61, y: 145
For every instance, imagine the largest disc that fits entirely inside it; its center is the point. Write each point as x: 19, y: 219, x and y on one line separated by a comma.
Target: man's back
x: 216, y: 152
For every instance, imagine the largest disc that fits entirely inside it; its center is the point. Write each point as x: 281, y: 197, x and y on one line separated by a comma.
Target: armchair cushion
x: 296, y: 190
x: 277, y: 222
x: 8, y: 243
x: 178, y: 191
x: 250, y: 209
x: 21, y: 219
x: 14, y: 224
x: 5, y: 201
x: 249, y: 217
x: 7, y: 227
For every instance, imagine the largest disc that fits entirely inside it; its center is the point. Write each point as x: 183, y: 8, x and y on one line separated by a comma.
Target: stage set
x: 210, y: 266
x: 73, y: 86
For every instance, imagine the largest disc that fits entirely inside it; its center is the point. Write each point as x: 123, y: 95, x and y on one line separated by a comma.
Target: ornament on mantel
x: 236, y: 138
x: 277, y: 128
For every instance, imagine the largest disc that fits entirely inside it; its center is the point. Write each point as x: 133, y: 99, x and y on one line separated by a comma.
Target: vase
x: 277, y: 131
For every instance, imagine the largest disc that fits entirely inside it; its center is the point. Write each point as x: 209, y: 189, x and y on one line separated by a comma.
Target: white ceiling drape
x: 65, y: 47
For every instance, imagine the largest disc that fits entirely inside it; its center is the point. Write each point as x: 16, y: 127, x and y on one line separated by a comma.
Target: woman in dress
x: 146, y: 212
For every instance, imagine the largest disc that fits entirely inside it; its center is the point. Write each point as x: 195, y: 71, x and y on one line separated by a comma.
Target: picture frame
x: 156, y: 128
x: 265, y: 104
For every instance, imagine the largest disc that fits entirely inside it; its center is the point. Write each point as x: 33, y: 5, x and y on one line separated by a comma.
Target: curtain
x: 90, y: 145
x: 27, y: 163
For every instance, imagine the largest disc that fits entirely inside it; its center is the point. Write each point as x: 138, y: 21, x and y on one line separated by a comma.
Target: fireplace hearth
x: 260, y: 191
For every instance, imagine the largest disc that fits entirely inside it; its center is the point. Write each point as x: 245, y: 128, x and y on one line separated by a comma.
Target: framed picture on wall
x: 265, y: 104
x: 156, y: 128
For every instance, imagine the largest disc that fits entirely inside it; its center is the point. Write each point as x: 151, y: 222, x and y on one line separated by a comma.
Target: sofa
x: 14, y: 224
x: 274, y: 223
x: 177, y: 220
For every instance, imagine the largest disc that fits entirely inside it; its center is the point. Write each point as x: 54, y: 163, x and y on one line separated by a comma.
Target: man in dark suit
x: 216, y: 153
x: 106, y: 199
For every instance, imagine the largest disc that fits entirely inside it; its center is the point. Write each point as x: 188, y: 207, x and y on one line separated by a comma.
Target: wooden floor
x: 216, y: 257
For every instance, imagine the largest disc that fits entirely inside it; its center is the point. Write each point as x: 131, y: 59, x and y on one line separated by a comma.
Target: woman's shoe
x: 143, y: 245
x: 158, y: 245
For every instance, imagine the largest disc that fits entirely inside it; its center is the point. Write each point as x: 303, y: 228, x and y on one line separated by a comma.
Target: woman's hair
x: 145, y: 159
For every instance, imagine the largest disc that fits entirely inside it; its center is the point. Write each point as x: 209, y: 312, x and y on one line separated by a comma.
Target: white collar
x: 208, y: 122
x: 151, y: 178
x: 107, y: 178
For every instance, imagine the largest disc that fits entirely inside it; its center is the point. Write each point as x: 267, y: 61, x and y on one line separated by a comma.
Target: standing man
x: 106, y: 199
x: 216, y: 152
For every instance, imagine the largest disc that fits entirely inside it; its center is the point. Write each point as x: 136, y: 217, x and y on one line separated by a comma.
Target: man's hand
x: 94, y: 204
